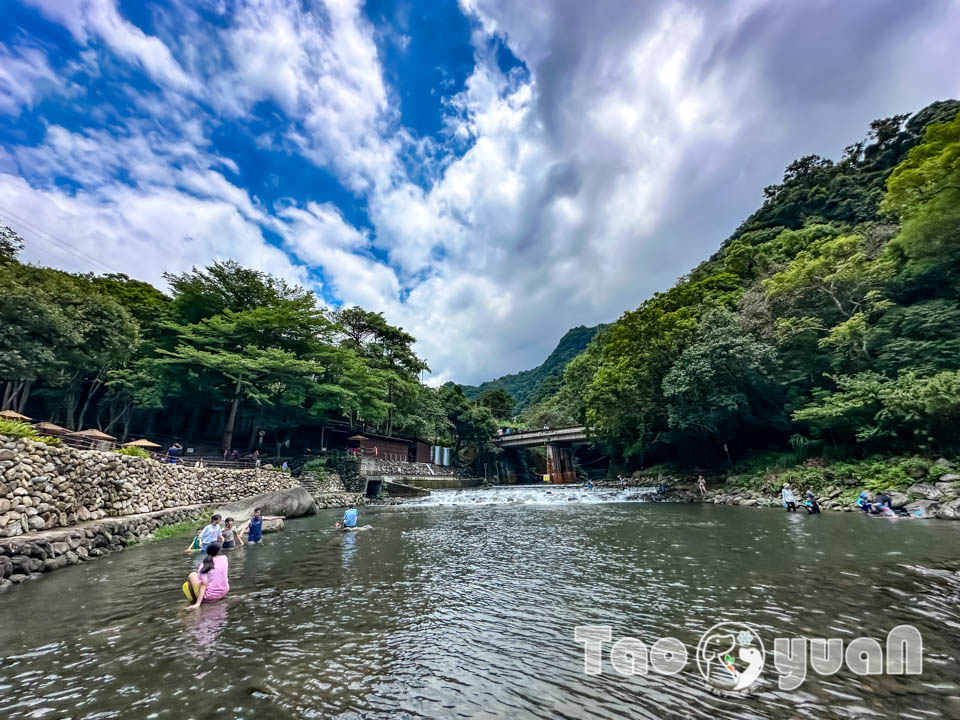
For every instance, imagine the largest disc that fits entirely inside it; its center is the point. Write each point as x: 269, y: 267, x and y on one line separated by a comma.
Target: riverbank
x: 921, y: 488
x: 30, y: 555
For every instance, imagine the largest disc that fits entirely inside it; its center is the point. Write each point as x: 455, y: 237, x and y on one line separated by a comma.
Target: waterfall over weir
x: 534, y: 495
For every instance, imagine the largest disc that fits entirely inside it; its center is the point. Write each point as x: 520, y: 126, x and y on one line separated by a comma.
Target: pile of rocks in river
x: 48, y: 486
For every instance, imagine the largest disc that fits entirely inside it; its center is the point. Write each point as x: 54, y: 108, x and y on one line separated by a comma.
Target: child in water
x: 195, y: 545
x: 212, y: 533
x: 254, y: 527
x: 209, y: 582
x: 231, y: 537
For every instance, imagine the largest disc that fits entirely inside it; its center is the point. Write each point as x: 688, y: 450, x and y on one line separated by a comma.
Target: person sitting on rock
x: 349, y: 521
x: 863, y: 502
x: 209, y: 583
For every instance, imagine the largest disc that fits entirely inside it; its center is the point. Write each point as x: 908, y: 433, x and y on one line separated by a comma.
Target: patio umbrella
x: 93, y: 435
x: 356, y: 437
x: 142, y: 443
x: 50, y: 428
x: 11, y: 415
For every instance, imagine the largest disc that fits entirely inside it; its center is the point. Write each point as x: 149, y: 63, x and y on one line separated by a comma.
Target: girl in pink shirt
x: 209, y: 583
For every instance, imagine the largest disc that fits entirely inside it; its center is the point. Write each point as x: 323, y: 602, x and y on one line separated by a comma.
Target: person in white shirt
x: 786, y: 496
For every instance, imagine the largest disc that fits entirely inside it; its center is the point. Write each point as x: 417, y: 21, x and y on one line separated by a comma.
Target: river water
x: 464, y: 606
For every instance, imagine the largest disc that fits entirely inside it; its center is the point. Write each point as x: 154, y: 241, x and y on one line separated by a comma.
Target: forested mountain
x: 531, y: 386
x: 829, y: 318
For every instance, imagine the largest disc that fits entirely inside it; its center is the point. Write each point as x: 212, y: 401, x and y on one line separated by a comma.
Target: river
x: 464, y: 605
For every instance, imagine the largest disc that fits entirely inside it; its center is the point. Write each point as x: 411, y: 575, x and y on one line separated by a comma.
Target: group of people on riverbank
x: 210, y: 581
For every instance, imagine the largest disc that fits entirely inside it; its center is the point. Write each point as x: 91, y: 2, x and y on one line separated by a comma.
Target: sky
x: 487, y: 173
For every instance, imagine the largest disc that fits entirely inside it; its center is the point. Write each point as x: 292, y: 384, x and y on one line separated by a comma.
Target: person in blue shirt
x: 863, y: 502
x: 254, y: 527
x: 349, y: 518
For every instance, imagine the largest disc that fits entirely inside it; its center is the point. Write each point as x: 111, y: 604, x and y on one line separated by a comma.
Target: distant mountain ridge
x: 530, y: 386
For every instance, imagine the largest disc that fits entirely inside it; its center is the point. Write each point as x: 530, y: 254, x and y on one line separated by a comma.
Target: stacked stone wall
x: 49, y: 486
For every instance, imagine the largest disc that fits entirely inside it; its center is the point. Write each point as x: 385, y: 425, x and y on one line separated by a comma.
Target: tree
x: 723, y: 384
x: 388, y: 349
x: 907, y: 411
x: 265, y: 376
x: 10, y: 244
x: 924, y: 192
x: 500, y: 403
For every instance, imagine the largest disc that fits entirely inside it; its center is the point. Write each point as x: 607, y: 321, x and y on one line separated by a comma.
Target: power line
x: 50, y: 237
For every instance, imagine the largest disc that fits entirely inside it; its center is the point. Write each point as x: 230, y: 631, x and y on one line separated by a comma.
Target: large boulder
x: 898, y: 500
x: 950, y: 510
x: 295, y: 502
x: 925, y: 491
x: 927, y: 508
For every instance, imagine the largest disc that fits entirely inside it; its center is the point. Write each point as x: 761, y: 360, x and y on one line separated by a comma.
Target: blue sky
x: 487, y: 173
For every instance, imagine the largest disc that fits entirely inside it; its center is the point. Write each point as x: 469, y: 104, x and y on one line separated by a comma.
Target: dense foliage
x: 829, y: 316
x: 229, y: 347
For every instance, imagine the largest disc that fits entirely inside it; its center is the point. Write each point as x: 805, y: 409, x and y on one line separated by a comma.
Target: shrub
x: 48, y: 440
x: 15, y: 428
x: 133, y: 452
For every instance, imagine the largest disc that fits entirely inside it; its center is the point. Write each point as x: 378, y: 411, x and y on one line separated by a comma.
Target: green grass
x: 184, y: 528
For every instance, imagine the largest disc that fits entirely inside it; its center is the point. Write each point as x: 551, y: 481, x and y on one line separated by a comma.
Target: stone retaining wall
x: 397, y: 468
x: 26, y: 557
x: 47, y: 486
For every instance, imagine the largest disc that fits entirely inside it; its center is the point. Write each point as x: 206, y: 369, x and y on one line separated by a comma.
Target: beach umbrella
x: 11, y: 415
x: 93, y: 435
x: 141, y: 443
x: 50, y: 428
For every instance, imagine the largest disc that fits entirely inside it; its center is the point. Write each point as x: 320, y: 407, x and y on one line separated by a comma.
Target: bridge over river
x: 559, y: 444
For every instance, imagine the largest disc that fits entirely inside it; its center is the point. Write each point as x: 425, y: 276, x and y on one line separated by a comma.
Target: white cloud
x: 142, y: 233
x: 100, y: 19
x: 635, y: 139
x: 321, y: 66
x: 24, y: 75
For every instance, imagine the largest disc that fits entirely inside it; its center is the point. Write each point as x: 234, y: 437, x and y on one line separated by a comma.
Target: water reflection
x: 467, y: 609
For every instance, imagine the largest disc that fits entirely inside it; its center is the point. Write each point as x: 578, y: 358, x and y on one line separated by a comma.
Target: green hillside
x: 827, y: 323
x: 530, y: 386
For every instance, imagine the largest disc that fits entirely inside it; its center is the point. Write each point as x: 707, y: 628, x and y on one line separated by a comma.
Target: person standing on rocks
x: 702, y: 485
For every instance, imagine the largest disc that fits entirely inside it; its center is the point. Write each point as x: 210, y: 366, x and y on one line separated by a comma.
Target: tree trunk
x: 231, y: 418
x: 24, y: 394
x: 7, y: 395
x: 94, y: 389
